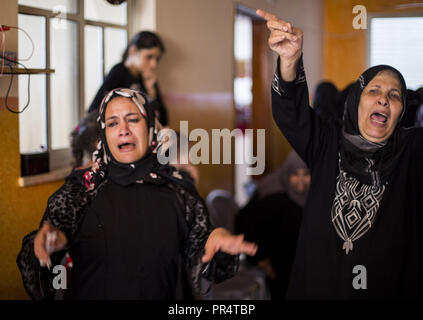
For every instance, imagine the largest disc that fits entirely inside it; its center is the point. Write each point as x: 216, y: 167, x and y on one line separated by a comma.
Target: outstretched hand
x: 47, y: 241
x: 286, y: 40
x: 221, y: 239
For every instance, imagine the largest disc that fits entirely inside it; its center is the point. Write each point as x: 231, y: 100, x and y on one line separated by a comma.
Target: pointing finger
x: 266, y: 15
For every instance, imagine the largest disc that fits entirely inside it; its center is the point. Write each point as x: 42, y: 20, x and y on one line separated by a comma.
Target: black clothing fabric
x: 325, y: 102
x: 68, y: 215
x: 273, y: 223
x: 128, y: 245
x: 120, y: 77
x: 127, y: 199
x: 391, y: 251
x: 413, y: 104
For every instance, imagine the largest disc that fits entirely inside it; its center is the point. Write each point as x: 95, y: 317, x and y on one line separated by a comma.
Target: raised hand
x: 286, y: 40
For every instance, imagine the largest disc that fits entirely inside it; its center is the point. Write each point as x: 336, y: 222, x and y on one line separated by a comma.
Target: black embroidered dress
x: 391, y: 250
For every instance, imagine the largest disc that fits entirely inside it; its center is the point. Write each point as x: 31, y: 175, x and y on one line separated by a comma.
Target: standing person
x: 362, y: 226
x: 138, y: 71
x: 128, y: 220
x: 272, y: 220
x: 419, y: 114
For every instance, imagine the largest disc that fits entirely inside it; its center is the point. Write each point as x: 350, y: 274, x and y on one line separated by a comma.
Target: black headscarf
x: 369, y: 162
x: 325, y: 102
x: 278, y: 180
x: 145, y: 169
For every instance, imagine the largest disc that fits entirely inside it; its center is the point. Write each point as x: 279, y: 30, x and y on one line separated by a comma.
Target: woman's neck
x: 132, y: 69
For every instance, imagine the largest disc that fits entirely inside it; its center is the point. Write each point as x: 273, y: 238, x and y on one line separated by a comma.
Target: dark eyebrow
x: 378, y: 86
x: 127, y: 115
x: 112, y: 117
x: 132, y: 114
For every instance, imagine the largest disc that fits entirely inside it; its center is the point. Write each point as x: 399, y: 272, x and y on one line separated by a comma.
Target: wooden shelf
x: 51, y: 176
x: 24, y: 71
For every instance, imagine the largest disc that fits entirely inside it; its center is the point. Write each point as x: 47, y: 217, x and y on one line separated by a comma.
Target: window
x: 81, y: 41
x: 243, y: 95
x: 398, y: 41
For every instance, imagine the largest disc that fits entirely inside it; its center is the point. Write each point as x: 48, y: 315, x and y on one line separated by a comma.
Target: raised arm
x: 290, y: 100
x: 287, y: 41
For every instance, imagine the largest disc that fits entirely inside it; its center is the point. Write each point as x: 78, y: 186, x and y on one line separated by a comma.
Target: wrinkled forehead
x: 124, y: 98
x: 388, y: 78
x: 121, y: 105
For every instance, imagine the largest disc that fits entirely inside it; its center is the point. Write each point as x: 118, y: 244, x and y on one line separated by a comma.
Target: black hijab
x: 369, y: 162
x: 325, y: 102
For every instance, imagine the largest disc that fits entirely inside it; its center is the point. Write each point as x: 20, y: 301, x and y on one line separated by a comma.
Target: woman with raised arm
x: 361, y: 234
x: 127, y: 221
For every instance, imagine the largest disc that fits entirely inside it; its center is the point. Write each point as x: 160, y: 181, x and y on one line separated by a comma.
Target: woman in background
x: 138, y: 71
x: 325, y: 102
x: 272, y: 220
x: 84, y: 140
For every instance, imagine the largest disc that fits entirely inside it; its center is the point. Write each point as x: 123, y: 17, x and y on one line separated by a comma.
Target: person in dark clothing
x: 325, y: 102
x: 419, y: 113
x: 128, y: 221
x: 272, y: 220
x: 362, y: 226
x: 342, y: 97
x: 413, y: 104
x: 138, y: 71
x: 84, y: 140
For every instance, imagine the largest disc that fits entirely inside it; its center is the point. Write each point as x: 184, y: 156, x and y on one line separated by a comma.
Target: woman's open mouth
x: 126, y: 147
x: 379, y: 119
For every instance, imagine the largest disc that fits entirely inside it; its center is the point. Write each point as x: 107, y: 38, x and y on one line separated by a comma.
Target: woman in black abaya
x: 128, y: 220
x: 361, y: 232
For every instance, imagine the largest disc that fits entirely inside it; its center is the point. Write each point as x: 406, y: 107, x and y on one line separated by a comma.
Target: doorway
x: 255, y: 64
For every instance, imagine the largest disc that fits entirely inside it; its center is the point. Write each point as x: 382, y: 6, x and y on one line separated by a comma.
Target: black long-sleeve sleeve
x: 198, y: 228
x: 115, y: 79
x: 294, y: 116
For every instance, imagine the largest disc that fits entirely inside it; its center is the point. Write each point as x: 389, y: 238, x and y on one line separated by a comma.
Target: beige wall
x: 199, y: 38
x: 145, y: 18
x: 196, y: 73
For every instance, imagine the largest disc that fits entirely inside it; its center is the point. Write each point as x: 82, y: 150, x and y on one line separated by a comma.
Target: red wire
x: 30, y: 39
x: 4, y: 48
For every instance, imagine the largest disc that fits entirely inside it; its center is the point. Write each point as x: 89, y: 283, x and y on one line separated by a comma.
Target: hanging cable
x: 30, y: 39
x: 10, y: 86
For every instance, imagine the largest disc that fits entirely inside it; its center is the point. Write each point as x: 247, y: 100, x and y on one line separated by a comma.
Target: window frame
x: 370, y: 16
x: 59, y: 158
